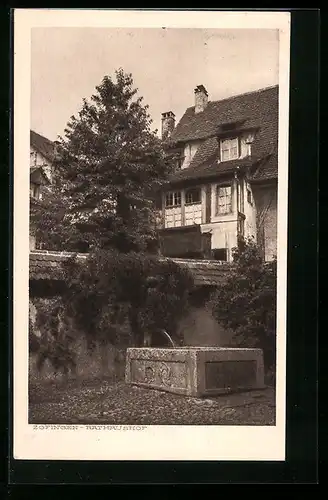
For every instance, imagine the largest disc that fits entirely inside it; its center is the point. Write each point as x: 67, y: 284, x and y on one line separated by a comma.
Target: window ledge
x: 190, y: 228
x: 193, y: 203
x: 223, y: 214
x: 234, y: 159
x: 230, y: 217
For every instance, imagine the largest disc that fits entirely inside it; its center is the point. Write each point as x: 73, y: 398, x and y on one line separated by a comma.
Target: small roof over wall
x: 47, y: 265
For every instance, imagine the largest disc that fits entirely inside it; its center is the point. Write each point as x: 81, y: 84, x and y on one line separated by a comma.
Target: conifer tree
x: 109, y: 165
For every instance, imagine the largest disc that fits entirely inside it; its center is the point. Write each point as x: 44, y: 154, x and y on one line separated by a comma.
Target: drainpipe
x: 237, y: 192
x: 238, y: 199
x: 237, y: 189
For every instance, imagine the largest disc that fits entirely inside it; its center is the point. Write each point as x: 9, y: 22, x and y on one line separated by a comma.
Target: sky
x: 166, y: 64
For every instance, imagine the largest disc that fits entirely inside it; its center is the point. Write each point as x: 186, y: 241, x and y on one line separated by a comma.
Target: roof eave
x: 249, y: 163
x: 264, y: 180
x: 201, y: 178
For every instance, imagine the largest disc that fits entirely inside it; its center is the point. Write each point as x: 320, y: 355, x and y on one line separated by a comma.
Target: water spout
x: 168, y: 337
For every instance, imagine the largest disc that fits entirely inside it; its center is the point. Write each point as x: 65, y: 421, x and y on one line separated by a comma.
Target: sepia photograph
x: 156, y: 215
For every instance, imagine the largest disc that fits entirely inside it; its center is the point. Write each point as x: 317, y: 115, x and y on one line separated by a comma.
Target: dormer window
x: 229, y: 149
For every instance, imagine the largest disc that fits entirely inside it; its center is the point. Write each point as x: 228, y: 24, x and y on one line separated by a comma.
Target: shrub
x: 107, y: 169
x: 246, y: 301
x: 53, y: 344
x: 113, y: 288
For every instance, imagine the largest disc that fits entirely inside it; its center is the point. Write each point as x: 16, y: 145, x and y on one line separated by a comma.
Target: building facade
x: 225, y: 183
x: 41, y: 171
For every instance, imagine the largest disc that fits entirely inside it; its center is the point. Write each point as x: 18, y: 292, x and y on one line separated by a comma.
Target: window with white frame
x: 224, y: 199
x: 181, y: 159
x: 35, y: 191
x: 193, y: 195
x: 33, y: 158
x: 173, y: 199
x: 229, y: 149
x: 183, y: 208
x: 173, y: 209
x: 192, y: 206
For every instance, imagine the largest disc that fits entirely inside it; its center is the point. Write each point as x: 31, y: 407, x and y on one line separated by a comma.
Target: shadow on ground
x: 105, y: 402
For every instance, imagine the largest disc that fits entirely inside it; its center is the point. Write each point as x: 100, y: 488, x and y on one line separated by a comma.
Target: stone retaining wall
x: 199, y: 328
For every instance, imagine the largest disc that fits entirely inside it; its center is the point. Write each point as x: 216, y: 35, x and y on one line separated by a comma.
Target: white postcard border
x: 137, y: 442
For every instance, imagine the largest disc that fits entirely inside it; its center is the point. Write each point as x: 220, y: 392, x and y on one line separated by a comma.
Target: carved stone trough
x: 195, y: 371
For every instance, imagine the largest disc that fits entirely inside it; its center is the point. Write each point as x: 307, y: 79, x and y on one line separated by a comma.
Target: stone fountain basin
x: 195, y: 371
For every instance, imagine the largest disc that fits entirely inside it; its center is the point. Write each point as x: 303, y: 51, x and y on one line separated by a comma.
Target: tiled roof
x: 205, y: 272
x: 210, y: 169
x: 46, y: 265
x: 207, y: 151
x: 267, y: 169
x: 43, y: 145
x: 258, y: 109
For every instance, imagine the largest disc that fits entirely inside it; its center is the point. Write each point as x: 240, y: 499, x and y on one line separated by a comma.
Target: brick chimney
x: 201, y: 98
x: 168, y: 124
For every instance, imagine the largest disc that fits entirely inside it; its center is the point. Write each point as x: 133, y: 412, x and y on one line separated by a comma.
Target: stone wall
x: 47, y: 287
x: 198, y: 328
x: 102, y: 361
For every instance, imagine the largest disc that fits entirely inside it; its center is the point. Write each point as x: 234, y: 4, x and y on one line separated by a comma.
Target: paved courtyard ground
x: 105, y: 402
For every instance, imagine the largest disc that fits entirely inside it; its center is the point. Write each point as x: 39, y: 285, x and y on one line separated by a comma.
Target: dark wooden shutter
x: 239, y: 145
x: 208, y: 199
x: 158, y: 201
